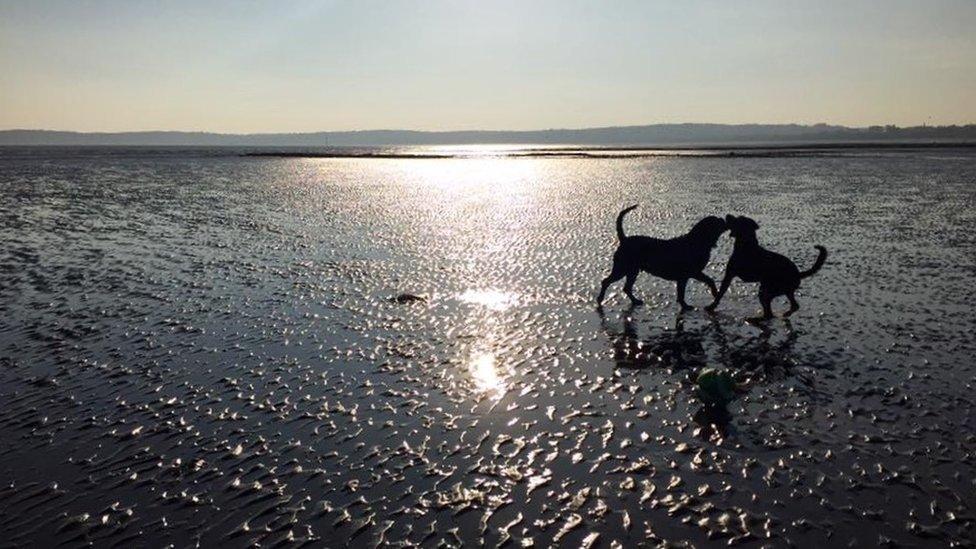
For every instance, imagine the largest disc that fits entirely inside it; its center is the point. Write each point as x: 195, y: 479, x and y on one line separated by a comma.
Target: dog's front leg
x: 702, y: 277
x: 721, y: 291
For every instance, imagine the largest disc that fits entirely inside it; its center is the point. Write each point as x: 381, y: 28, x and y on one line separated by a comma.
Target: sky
x: 300, y: 65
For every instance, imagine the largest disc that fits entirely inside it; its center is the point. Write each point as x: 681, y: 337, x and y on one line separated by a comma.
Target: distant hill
x: 651, y: 135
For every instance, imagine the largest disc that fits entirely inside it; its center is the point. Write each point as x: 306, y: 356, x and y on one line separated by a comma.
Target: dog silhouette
x: 679, y: 259
x: 775, y: 273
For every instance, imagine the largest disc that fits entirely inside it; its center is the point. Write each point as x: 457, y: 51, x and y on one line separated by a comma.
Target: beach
x: 203, y: 347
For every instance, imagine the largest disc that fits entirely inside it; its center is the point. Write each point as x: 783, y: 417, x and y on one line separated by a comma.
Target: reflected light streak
x: 492, y: 299
x: 475, y: 178
x: 484, y: 374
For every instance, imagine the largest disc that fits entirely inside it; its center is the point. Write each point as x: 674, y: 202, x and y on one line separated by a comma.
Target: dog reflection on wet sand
x: 707, y: 343
x: 676, y: 349
x: 692, y: 346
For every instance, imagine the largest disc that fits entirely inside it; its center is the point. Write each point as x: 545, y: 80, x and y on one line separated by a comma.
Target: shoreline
x: 602, y: 152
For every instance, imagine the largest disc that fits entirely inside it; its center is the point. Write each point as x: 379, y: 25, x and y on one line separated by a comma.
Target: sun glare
x: 492, y: 299
x: 484, y: 374
x: 475, y: 178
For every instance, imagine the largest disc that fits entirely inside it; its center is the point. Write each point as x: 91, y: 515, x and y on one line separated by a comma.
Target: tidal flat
x: 203, y: 348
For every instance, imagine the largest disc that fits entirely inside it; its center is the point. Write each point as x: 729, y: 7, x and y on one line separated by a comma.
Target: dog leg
x: 767, y: 305
x: 794, y: 306
x: 721, y: 291
x: 615, y: 275
x: 702, y: 277
x: 766, y: 299
x: 629, y: 288
x: 682, y: 284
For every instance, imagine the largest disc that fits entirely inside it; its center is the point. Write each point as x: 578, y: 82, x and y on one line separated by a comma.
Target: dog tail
x: 821, y: 258
x: 620, y: 222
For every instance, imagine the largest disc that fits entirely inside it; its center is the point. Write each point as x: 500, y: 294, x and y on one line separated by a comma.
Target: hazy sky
x: 317, y: 65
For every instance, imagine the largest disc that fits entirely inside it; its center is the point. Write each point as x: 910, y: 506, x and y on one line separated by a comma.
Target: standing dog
x: 775, y: 274
x: 675, y: 259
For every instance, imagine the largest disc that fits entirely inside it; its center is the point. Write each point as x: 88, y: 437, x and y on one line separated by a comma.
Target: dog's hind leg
x: 629, y: 288
x: 682, y: 284
x: 794, y: 306
x: 766, y: 299
x: 615, y: 275
x: 702, y: 277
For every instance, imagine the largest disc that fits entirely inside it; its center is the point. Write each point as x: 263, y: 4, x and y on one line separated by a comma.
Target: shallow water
x: 200, y: 348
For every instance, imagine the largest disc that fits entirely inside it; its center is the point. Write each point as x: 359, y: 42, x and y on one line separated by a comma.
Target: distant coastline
x: 742, y: 151
x: 657, y: 135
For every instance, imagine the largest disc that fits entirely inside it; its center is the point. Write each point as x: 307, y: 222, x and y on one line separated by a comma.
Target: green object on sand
x: 715, y: 387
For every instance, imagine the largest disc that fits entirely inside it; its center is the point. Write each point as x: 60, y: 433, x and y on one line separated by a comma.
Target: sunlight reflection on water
x: 482, y: 364
x: 484, y: 373
x: 492, y: 299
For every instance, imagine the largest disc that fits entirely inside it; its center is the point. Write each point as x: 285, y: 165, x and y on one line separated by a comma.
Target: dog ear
x: 729, y: 219
x: 752, y: 223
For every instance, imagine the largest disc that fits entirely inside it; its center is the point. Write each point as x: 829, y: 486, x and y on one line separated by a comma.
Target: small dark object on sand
x: 715, y: 387
x: 408, y: 298
x: 44, y: 381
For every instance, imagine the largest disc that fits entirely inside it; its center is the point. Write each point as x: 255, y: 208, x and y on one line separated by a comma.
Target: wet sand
x: 204, y: 349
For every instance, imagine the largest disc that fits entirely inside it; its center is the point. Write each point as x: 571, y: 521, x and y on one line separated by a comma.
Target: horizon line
x: 483, y: 130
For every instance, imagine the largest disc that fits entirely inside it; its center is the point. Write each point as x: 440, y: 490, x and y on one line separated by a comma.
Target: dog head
x: 741, y: 226
x: 709, y: 229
